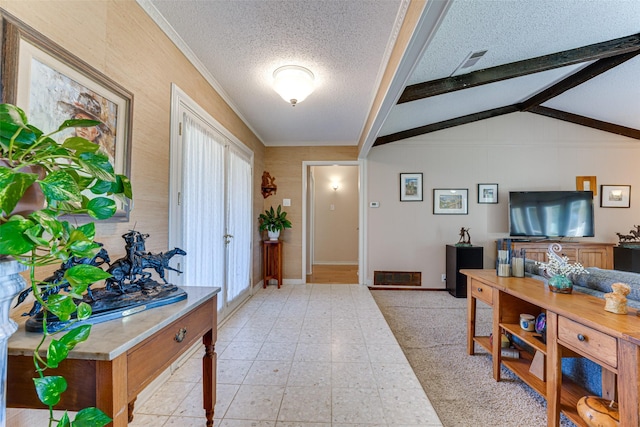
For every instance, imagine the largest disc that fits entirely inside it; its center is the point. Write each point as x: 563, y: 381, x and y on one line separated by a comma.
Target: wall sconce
x: 335, y: 186
x: 293, y: 83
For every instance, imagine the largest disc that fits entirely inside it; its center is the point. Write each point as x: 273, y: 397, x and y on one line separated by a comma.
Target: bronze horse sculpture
x: 128, y: 268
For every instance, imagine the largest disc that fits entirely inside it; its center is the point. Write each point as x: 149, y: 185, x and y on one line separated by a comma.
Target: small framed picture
x: 487, y: 193
x: 615, y: 196
x: 450, y: 201
x: 587, y: 183
x: 411, y: 187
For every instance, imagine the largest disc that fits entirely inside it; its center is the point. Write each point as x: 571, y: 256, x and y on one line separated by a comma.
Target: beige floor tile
x: 306, y: 404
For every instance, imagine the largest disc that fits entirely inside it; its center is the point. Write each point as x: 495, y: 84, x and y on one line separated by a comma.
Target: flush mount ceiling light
x: 293, y: 83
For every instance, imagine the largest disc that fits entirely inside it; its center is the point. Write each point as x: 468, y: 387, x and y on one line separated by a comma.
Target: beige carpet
x: 431, y: 329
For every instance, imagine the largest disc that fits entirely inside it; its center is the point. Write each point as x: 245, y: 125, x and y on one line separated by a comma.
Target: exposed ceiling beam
x: 445, y: 124
x: 577, y: 78
x: 586, y: 121
x: 521, y: 68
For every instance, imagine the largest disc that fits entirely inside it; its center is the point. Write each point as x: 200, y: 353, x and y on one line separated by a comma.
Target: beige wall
x: 285, y: 164
x: 335, y: 215
x: 520, y: 151
x: 121, y: 41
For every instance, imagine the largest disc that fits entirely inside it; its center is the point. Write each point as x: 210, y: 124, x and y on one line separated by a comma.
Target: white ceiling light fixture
x: 293, y: 83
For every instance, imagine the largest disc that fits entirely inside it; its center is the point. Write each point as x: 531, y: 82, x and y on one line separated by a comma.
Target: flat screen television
x: 551, y: 214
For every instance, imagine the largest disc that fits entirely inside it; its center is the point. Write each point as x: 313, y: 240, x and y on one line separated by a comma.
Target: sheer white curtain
x: 238, y: 225
x: 203, y: 205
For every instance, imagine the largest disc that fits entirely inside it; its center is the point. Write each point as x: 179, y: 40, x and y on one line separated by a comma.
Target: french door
x: 210, y: 199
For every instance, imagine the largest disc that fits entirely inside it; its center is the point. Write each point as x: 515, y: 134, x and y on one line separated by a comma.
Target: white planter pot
x: 11, y: 284
x: 273, y: 235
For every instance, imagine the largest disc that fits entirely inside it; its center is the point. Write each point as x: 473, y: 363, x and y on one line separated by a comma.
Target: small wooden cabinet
x: 461, y: 257
x: 598, y: 255
x: 271, y: 262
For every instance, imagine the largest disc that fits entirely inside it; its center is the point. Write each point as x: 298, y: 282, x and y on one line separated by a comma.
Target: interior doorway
x: 332, y: 218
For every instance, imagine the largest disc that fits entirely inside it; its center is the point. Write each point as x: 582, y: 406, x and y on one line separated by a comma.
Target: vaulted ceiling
x: 574, y: 60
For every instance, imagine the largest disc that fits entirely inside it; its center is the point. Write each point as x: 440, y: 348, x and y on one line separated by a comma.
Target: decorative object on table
x: 465, y: 238
x: 616, y: 301
x: 450, y: 201
x: 517, y: 262
x: 42, y: 237
x: 274, y: 221
x: 615, y: 196
x: 631, y: 240
x: 488, y: 193
x: 598, y: 412
x: 587, y: 183
x: 411, y: 187
x: 527, y: 322
x: 269, y: 186
x: 558, y: 269
x: 503, y: 262
x: 541, y: 326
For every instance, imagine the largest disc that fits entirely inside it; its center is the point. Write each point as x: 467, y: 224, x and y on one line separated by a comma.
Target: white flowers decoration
x: 560, y: 265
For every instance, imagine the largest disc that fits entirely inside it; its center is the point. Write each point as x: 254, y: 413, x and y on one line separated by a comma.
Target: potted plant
x: 274, y: 221
x: 75, y: 177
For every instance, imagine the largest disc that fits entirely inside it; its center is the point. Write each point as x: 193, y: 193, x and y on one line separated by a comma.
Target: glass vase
x: 560, y: 284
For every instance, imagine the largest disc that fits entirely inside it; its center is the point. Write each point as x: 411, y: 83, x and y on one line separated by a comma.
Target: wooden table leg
x: 629, y: 385
x: 111, y: 393
x: 471, y: 319
x: 209, y: 377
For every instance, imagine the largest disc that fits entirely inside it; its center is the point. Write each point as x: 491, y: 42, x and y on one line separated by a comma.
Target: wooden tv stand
x: 586, y: 253
x: 577, y: 325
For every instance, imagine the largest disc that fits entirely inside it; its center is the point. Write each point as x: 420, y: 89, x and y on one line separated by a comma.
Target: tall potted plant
x: 75, y: 177
x: 274, y: 221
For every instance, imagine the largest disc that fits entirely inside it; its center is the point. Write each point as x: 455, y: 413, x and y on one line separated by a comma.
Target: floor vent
x: 397, y: 278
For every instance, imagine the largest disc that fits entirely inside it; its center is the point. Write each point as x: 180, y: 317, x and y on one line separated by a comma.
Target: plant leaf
x: 12, y: 239
x: 13, y: 185
x: 101, y: 208
x: 91, y: 417
x: 76, y: 336
x: 98, y: 165
x: 85, y: 274
x: 60, y: 186
x: 80, y: 145
x: 49, y: 389
x: 56, y: 353
x: 64, y: 421
x: 77, y: 123
x: 84, y: 311
x: 61, y: 305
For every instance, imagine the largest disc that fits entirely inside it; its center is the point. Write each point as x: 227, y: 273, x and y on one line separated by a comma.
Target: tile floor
x: 302, y: 355
x: 298, y: 355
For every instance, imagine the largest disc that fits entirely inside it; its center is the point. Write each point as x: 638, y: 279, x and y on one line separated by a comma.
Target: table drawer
x: 587, y: 341
x: 149, y: 358
x: 482, y: 292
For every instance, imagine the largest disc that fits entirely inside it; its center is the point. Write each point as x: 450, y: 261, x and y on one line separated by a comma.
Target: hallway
x: 333, y: 274
x: 301, y: 354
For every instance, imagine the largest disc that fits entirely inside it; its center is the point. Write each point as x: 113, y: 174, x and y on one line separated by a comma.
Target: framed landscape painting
x: 487, y: 193
x: 411, y: 187
x: 615, y: 196
x: 450, y: 201
x: 51, y: 85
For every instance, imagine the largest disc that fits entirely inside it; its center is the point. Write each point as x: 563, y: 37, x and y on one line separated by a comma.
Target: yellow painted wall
x: 120, y: 40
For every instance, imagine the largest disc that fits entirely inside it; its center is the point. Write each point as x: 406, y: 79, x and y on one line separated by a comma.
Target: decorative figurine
x: 630, y: 240
x: 465, y: 238
x: 269, y: 186
x: 616, y: 301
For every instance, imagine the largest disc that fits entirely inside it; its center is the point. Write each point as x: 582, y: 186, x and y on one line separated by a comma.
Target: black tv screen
x: 551, y: 213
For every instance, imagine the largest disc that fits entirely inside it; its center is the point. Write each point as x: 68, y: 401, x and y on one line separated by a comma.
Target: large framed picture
x: 410, y: 187
x: 52, y: 85
x: 487, y: 193
x: 615, y: 196
x: 450, y: 201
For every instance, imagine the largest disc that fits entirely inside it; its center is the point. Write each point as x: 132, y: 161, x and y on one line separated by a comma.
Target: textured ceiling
x: 241, y: 43
x: 238, y: 43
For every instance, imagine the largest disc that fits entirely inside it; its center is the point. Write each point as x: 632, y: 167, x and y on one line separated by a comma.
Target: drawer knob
x: 581, y: 338
x: 180, y: 335
x: 479, y: 289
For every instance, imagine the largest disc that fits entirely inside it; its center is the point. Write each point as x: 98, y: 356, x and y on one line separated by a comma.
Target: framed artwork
x: 615, y: 196
x: 52, y: 85
x: 487, y: 193
x: 587, y: 183
x: 411, y: 187
x: 450, y: 201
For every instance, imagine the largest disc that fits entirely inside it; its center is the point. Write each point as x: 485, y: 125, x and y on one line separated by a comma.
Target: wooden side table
x: 271, y: 262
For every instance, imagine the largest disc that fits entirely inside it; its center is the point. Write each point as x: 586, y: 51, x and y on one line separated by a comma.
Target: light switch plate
x: 286, y: 202
x: 374, y: 204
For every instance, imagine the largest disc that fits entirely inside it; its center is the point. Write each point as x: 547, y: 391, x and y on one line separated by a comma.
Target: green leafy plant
x: 42, y: 237
x: 274, y: 220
